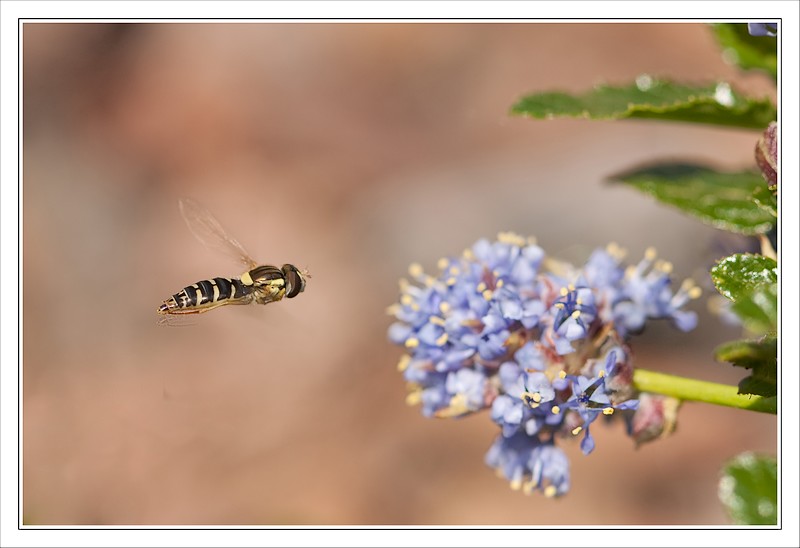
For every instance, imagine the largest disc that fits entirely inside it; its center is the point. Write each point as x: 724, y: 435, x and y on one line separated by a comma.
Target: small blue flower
x: 508, y: 408
x: 550, y: 470
x: 617, y: 371
x: 507, y: 412
x: 762, y: 29
x: 466, y: 389
x: 526, y: 401
x: 574, y: 313
x: 446, y: 394
x: 646, y: 293
x: 433, y: 398
x: 602, y: 269
x: 590, y: 399
x: 530, y: 358
x: 530, y: 464
x: 538, y: 390
x: 493, y: 345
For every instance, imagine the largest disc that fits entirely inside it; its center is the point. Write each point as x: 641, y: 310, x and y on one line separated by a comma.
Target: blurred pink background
x: 352, y: 150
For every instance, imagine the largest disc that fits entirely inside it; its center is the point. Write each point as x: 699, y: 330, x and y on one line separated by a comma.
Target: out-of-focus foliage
x: 749, y: 489
x: 723, y: 200
x: 652, y: 99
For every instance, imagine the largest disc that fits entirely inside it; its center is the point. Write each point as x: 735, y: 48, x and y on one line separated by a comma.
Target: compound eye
x: 263, y: 275
x: 295, y: 283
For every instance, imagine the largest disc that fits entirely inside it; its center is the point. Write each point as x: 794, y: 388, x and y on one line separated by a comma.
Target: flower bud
x: 767, y: 154
x: 655, y: 418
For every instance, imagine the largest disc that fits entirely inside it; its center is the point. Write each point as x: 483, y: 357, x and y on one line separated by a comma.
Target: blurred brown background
x: 353, y: 150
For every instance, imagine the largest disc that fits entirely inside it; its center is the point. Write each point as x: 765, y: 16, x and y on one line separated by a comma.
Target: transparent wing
x: 176, y: 321
x: 210, y: 233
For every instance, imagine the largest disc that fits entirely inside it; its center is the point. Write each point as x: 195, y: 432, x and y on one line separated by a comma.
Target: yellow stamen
x: 488, y: 294
x: 442, y: 264
x: 441, y: 340
x: 575, y: 314
x: 451, y: 281
x: 415, y: 270
x: 402, y: 365
x: 608, y: 411
x: 413, y: 398
x: 511, y: 238
x: 412, y: 342
x: 615, y: 250
x: 562, y: 374
x: 564, y: 292
x: 468, y: 254
x: 577, y: 430
x: 532, y: 400
x: 444, y: 307
x: 516, y: 484
x: 406, y: 300
x: 650, y: 253
x: 454, y: 271
x: 550, y: 491
x: 535, y: 396
x: 481, y: 287
x: 456, y: 408
x: 556, y: 410
x: 415, y: 307
x: 602, y: 373
x: 499, y: 284
x: 393, y: 309
x: 695, y: 292
x: 436, y: 320
x: 527, y: 487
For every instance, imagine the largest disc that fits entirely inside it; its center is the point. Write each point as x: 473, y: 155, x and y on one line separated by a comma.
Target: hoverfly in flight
x: 261, y: 284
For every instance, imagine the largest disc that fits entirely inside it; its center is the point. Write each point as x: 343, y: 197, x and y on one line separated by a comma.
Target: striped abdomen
x: 205, y: 294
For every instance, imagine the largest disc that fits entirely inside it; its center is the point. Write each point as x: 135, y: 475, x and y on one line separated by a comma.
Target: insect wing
x: 174, y: 320
x: 210, y: 233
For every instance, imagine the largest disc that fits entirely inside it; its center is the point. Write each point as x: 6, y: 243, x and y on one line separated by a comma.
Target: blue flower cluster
x: 538, y: 342
x: 762, y: 29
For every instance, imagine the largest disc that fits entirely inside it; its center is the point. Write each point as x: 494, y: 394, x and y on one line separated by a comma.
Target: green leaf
x: 766, y: 199
x: 751, y: 282
x: 749, y: 353
x: 760, y: 356
x: 745, y: 51
x: 739, y: 275
x: 653, y: 99
x: 748, y: 489
x: 759, y: 309
x: 723, y: 200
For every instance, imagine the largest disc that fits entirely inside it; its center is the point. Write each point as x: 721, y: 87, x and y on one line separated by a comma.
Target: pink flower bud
x: 655, y: 418
x: 767, y: 154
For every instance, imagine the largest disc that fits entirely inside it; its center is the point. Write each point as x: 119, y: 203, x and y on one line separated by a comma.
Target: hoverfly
x: 261, y: 284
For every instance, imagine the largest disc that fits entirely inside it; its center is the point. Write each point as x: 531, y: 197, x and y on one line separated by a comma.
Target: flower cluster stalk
x: 686, y: 389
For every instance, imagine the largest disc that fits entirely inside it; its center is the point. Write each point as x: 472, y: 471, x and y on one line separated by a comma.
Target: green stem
x: 695, y: 390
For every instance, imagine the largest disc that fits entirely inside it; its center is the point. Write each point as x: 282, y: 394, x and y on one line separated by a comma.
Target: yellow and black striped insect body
x: 260, y: 284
